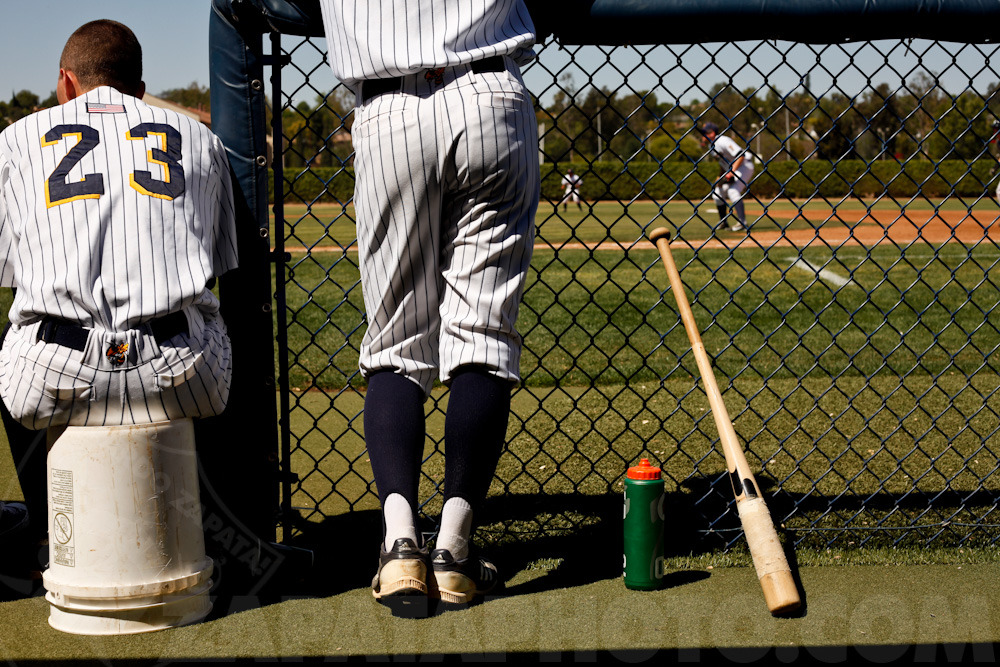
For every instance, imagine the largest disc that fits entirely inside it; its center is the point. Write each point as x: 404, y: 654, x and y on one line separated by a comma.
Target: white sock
x: 398, y: 517
x: 456, y: 527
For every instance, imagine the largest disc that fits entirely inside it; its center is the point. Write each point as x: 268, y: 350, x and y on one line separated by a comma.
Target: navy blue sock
x: 475, y: 430
x: 394, y: 434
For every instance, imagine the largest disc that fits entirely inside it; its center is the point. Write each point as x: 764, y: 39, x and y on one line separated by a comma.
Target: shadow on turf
x: 587, y: 548
x: 543, y: 542
x: 539, y: 542
x: 568, y: 557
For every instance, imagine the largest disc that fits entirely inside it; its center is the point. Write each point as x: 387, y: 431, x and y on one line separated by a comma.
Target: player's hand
x: 728, y: 177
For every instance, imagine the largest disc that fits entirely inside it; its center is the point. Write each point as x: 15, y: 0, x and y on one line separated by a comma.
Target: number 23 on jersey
x: 60, y: 191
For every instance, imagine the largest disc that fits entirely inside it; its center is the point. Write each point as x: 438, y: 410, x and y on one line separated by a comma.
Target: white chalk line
x: 823, y: 274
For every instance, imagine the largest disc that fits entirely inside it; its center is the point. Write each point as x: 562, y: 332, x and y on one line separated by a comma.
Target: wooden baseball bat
x: 780, y: 592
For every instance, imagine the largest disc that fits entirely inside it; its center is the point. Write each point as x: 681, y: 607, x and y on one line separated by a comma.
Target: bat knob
x: 659, y: 233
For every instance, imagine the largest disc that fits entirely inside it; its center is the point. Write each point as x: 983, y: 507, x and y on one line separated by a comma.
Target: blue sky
x: 173, y: 34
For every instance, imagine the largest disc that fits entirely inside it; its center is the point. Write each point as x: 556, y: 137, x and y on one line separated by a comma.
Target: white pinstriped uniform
x: 727, y: 152
x: 447, y: 179
x: 132, y: 232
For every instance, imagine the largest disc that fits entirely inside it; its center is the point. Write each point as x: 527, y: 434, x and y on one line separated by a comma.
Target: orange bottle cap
x: 644, y: 470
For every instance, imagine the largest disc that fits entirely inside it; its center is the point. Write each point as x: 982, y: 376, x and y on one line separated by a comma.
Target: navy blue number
x: 167, y: 156
x: 57, y: 190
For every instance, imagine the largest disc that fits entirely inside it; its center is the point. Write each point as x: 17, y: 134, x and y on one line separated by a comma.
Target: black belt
x: 72, y: 335
x: 373, y: 87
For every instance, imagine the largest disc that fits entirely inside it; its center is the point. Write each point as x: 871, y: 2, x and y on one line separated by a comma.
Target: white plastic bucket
x: 126, y: 548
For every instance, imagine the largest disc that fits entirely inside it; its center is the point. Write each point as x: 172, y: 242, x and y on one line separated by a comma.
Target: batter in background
x: 446, y: 162
x: 115, y: 218
x: 736, y: 167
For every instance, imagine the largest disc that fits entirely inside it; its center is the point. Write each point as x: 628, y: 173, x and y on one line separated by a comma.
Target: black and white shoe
x: 737, y: 227
x: 460, y: 581
x: 402, y: 572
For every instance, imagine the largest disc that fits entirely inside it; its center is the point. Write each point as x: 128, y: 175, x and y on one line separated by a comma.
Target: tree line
x: 23, y: 104
x: 918, y: 120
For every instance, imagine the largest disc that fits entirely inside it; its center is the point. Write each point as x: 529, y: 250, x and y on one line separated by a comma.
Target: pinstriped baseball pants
x: 46, y: 384
x: 447, y: 189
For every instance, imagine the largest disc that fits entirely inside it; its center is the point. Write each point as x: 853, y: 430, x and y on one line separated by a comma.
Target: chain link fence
x: 854, y: 327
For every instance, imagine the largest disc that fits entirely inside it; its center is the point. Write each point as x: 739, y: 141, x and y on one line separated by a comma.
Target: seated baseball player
x: 115, y: 217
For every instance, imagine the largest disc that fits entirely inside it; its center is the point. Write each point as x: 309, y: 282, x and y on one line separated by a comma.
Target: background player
x: 114, y: 218
x: 571, y: 186
x: 444, y: 239
x: 736, y: 171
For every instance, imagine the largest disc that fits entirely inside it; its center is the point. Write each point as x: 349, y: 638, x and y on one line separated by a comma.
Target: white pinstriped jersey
x: 374, y: 39
x: 113, y: 214
x: 447, y: 179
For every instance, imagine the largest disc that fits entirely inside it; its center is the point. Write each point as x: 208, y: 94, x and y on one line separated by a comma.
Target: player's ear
x: 68, y: 87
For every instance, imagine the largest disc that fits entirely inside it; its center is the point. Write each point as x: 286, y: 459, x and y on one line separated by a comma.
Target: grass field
x: 599, y: 318
x: 863, y: 379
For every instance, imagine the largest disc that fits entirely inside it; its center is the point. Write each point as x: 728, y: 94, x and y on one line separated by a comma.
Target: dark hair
x: 104, y: 53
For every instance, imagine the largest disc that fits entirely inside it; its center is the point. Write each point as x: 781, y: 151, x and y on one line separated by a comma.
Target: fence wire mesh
x: 853, y: 327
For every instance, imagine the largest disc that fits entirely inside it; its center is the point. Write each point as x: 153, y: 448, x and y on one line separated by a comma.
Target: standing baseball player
x: 115, y: 218
x: 446, y: 162
x: 736, y: 167
x: 571, y: 187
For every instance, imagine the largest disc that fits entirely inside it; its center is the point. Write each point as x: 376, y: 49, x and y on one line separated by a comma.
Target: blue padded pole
x: 239, y: 449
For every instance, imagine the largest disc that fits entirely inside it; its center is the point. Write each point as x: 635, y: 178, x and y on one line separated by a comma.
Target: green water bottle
x: 643, y: 527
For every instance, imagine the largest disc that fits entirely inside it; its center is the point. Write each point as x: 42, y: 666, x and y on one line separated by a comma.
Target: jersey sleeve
x: 8, y: 245
x: 224, y: 229
x: 734, y: 150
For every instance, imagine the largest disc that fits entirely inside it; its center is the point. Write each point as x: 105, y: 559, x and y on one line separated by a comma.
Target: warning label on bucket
x: 61, y: 505
x: 62, y: 528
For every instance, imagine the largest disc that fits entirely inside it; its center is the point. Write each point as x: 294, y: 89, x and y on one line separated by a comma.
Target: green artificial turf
x: 865, y: 614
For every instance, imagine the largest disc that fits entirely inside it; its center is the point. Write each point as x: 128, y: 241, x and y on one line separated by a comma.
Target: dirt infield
x: 870, y: 228
x: 845, y: 227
